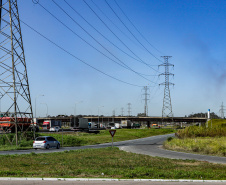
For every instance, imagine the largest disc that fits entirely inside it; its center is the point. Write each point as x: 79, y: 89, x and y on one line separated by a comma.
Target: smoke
x: 208, y: 68
x: 222, y: 78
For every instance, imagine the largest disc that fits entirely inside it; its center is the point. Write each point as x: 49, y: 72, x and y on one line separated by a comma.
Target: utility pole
x: 129, y: 109
x: 14, y: 87
x: 167, y: 106
x: 113, y: 115
x: 146, y: 95
x: 222, y: 109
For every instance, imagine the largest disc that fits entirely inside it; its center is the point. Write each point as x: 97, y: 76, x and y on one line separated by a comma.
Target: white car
x: 54, y: 129
x: 45, y: 142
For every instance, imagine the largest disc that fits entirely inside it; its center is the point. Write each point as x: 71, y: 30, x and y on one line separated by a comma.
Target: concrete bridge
x: 143, y: 120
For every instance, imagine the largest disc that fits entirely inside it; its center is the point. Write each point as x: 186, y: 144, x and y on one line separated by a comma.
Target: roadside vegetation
x: 81, y: 138
x: 208, y: 139
x: 106, y: 163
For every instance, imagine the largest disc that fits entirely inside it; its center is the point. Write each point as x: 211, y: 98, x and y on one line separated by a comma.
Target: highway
x: 151, y: 146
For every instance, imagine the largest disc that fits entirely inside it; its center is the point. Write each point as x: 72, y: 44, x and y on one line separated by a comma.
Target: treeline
x: 204, y: 115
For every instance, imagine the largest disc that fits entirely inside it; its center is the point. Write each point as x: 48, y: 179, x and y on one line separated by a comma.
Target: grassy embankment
x: 80, y: 138
x: 204, y: 140
x: 106, y: 163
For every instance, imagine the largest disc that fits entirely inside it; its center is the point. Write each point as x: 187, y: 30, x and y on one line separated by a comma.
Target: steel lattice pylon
x: 146, y: 95
x: 222, y: 109
x: 167, y: 106
x: 14, y: 87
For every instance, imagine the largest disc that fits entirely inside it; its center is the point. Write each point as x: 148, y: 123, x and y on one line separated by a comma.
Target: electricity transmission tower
x: 129, y: 109
x: 14, y: 87
x: 222, y: 109
x: 146, y: 95
x: 167, y: 106
x: 122, y: 111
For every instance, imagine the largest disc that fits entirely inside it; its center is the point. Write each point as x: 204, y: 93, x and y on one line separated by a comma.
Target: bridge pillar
x: 148, y: 124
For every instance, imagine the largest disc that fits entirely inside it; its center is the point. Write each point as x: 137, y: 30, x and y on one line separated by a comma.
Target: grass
x: 214, y: 128
x: 105, y: 137
x: 106, y: 163
x: 210, y: 140
x: 81, y: 138
x: 203, y: 145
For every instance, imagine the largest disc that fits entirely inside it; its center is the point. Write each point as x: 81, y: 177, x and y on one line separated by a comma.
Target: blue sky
x: 191, y: 31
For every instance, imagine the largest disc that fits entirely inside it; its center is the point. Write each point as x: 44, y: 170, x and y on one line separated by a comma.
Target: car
x: 46, y: 142
x: 54, y: 129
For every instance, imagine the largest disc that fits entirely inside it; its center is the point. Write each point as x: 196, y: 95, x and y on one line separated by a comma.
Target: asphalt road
x: 149, y: 146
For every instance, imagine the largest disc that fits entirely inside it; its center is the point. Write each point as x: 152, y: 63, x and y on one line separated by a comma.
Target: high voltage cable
x: 131, y: 32
x: 126, y: 35
x: 104, y: 36
x: 92, y: 45
x: 125, y: 66
x: 117, y: 36
x: 124, y: 32
x: 136, y: 28
x: 78, y: 58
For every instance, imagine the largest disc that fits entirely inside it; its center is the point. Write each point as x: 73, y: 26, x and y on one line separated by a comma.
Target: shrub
x: 217, y: 128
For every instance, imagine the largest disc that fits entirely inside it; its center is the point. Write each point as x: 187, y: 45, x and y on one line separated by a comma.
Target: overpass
x: 136, y: 119
x: 146, y: 119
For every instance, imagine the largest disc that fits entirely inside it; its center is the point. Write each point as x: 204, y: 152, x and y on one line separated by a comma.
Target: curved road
x: 149, y: 146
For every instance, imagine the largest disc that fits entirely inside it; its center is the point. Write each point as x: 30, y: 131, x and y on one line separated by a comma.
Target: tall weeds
x: 215, y: 129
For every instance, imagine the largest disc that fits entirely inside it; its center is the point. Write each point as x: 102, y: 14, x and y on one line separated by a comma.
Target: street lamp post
x: 35, y: 116
x: 46, y: 109
x: 75, y: 110
x: 35, y: 102
x: 99, y: 116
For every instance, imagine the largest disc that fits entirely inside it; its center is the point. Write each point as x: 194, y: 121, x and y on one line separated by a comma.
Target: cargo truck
x: 47, y: 124
x: 126, y: 124
x: 8, y: 124
x: 82, y: 124
x: 79, y: 123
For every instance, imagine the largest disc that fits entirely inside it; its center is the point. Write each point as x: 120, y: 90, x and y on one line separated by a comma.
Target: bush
x: 217, y: 129
x: 169, y: 138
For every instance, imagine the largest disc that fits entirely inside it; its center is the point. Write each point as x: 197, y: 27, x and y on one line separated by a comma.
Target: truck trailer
x: 126, y: 124
x: 79, y: 123
x: 8, y: 124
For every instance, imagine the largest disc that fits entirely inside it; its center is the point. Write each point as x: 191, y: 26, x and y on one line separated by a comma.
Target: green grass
x: 106, y: 163
x: 81, y: 138
x: 105, y: 137
x: 203, y: 145
x: 214, y: 128
x: 210, y: 140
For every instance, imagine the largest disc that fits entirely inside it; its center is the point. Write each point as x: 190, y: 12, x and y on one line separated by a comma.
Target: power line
x: 131, y: 32
x: 118, y: 37
x: 106, y: 38
x: 79, y: 58
x: 126, y: 35
x: 136, y: 28
x: 124, y: 66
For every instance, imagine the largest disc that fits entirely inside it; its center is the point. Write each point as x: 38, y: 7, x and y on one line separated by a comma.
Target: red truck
x: 47, y: 124
x: 8, y: 123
